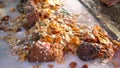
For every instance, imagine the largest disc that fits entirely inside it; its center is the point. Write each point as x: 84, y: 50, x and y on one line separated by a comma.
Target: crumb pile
x: 52, y: 32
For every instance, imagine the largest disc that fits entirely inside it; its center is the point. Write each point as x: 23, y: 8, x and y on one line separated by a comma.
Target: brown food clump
x: 88, y: 51
x: 85, y: 66
x: 32, y: 18
x: 73, y: 65
x: 5, y: 18
x: 1, y: 4
x: 40, y: 53
x: 26, y: 6
x: 50, y: 65
x: 23, y: 57
x: 12, y: 9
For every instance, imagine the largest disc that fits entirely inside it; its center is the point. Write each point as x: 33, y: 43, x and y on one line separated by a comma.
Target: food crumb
x: 37, y: 66
x: 1, y: 4
x: 34, y: 67
x: 22, y: 57
x: 73, y: 65
x: 85, y: 66
x: 5, y: 18
x: 12, y: 9
x: 50, y: 65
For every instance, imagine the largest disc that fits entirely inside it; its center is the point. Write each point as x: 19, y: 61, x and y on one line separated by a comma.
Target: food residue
x: 51, y: 32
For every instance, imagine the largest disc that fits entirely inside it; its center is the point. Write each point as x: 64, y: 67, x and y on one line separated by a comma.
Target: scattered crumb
x: 19, y: 29
x: 75, y: 40
x: 1, y: 4
x: 12, y: 9
x: 37, y: 66
x: 85, y: 66
x: 50, y: 65
x: 22, y: 57
x: 5, y: 18
x: 73, y: 65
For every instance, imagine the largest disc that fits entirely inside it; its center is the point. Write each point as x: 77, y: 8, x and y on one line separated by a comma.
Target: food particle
x: 50, y: 65
x: 88, y: 51
x: 5, y: 18
x: 73, y: 65
x: 85, y: 66
x: 1, y: 4
x: 12, y: 9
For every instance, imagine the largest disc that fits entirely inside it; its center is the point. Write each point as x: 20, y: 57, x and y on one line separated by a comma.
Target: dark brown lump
x: 85, y: 66
x: 35, y: 36
x: 5, y: 18
x: 73, y: 65
x: 88, y: 51
x: 31, y: 19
